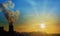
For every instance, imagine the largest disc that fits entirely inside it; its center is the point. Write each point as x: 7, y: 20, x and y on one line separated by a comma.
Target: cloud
x: 17, y: 14
x: 10, y: 15
x: 5, y: 5
x: 11, y: 4
x: 13, y: 16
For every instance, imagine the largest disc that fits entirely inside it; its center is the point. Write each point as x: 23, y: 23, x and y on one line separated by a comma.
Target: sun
x: 42, y: 25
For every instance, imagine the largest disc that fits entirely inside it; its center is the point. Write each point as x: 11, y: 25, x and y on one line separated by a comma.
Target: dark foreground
x: 13, y: 33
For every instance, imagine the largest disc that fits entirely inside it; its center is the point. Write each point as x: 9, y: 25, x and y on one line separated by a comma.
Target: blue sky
x: 30, y: 8
x: 33, y: 13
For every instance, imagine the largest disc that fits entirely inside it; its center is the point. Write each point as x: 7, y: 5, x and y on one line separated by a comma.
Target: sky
x: 33, y: 13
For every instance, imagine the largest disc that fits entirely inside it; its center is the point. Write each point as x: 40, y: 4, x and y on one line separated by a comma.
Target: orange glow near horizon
x: 34, y: 25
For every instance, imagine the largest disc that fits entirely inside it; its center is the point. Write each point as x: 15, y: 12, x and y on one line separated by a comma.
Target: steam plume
x: 10, y: 15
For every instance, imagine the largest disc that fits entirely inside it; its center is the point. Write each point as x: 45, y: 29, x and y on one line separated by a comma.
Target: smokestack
x: 10, y: 15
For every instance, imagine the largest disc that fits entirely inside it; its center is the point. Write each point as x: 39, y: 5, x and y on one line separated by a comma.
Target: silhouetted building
x: 11, y: 27
x: 1, y: 29
x: 3, y: 32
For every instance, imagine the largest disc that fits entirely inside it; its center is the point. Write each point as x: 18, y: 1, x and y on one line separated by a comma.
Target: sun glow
x: 42, y: 25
